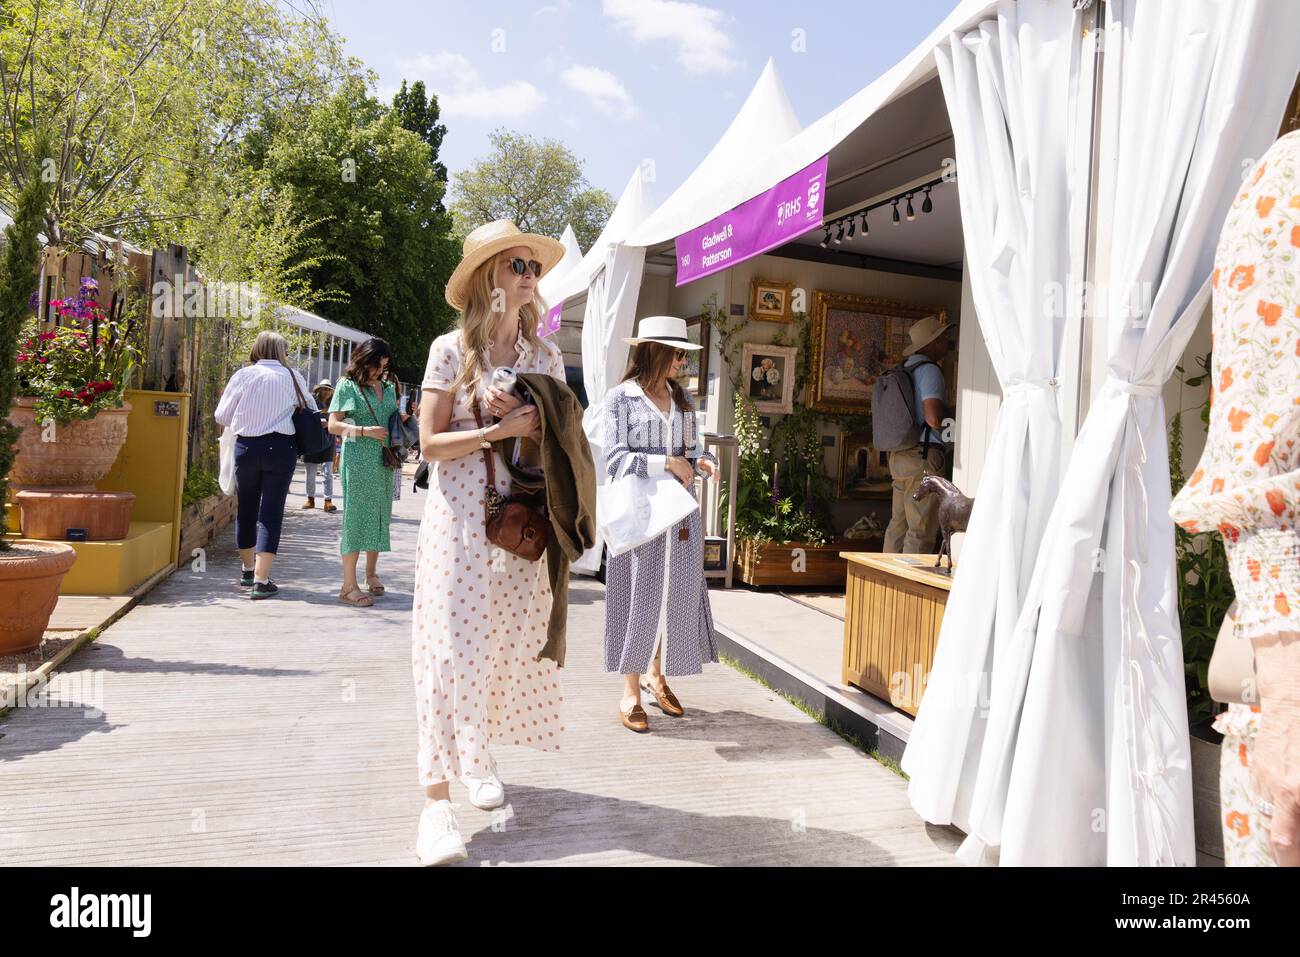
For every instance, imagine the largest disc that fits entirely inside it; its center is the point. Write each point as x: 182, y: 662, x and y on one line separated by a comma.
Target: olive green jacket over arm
x: 567, y: 486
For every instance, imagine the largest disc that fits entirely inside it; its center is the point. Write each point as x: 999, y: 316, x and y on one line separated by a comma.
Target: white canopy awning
x: 766, y: 119
x: 632, y: 208
x: 572, y: 256
x: 314, y: 323
x: 764, y: 144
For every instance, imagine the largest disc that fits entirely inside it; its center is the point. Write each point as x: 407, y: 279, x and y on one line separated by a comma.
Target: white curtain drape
x: 1010, y: 85
x: 608, y: 320
x: 1085, y: 758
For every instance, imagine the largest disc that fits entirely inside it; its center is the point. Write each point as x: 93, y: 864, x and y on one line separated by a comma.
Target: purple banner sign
x: 551, y: 324
x: 789, y: 209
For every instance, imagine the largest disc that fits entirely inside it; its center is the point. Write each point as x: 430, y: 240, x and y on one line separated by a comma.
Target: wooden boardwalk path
x: 203, y: 728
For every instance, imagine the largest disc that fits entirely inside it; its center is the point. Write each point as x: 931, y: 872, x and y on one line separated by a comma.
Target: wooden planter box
x: 892, y: 614
x: 201, y: 522
x: 774, y: 564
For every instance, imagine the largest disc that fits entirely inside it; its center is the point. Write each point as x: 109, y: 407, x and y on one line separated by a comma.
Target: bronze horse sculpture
x: 954, y: 511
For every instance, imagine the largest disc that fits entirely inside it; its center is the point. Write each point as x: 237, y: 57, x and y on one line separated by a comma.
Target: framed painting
x: 770, y: 301
x: 864, y: 471
x: 695, y: 377
x: 768, y: 376
x: 854, y: 338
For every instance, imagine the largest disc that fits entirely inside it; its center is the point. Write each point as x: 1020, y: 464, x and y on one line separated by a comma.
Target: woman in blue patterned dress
x: 359, y: 414
x: 650, y: 430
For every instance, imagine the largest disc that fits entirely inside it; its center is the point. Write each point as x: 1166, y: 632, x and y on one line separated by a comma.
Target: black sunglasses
x: 519, y: 267
x: 679, y: 355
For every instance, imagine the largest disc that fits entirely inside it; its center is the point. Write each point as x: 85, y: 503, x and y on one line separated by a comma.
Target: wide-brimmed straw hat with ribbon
x: 488, y: 240
x: 668, y: 330
x: 925, y: 331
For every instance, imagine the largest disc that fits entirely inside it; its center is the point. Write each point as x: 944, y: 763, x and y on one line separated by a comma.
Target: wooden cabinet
x: 893, y: 609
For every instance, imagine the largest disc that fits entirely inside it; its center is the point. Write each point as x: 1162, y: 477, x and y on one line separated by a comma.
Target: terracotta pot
x: 30, y: 575
x: 106, y: 516
x: 80, y: 455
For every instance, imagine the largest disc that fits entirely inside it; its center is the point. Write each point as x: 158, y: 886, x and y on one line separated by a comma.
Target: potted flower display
x: 70, y: 383
x: 782, y: 525
x: 30, y: 571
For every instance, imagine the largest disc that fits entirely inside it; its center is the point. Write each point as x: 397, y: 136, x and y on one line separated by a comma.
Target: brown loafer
x: 634, y: 719
x: 665, y: 699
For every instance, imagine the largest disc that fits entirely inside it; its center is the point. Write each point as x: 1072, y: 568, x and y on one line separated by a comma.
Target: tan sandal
x: 361, y: 601
x: 375, y: 589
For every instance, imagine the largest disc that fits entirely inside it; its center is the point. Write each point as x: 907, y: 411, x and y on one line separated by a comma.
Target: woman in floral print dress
x: 1247, y: 486
x: 359, y: 413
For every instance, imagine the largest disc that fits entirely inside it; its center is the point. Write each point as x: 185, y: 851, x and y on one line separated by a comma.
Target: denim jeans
x: 311, y: 478
x: 264, y: 467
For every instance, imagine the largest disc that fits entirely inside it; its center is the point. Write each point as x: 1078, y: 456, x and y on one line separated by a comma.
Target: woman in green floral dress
x: 359, y: 414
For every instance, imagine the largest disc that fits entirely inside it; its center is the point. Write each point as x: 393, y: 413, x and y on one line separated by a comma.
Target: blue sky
x: 621, y: 81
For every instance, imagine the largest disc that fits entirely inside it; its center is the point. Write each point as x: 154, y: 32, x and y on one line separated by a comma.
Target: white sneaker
x: 439, y: 839
x: 486, y: 794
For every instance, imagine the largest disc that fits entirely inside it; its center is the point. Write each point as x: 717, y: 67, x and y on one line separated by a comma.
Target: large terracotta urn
x: 30, y: 576
x: 81, y: 453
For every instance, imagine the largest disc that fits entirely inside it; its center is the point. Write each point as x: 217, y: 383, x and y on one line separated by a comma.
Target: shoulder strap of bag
x: 293, y: 377
x: 363, y: 390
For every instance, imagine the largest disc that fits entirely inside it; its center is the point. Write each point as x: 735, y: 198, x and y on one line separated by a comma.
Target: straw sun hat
x: 488, y: 240
x: 925, y: 331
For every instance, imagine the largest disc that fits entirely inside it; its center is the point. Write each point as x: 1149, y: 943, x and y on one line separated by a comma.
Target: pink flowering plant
x: 80, y: 367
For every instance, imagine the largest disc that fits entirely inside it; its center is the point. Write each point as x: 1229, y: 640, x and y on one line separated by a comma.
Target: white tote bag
x: 226, y: 448
x: 632, y: 510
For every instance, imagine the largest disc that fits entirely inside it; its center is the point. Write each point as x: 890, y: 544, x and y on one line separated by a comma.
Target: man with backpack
x: 907, y: 415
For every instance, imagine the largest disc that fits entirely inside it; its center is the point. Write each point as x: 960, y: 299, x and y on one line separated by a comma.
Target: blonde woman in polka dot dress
x: 480, y: 613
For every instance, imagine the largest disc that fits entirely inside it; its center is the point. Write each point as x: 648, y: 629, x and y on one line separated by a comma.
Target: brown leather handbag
x: 518, y: 528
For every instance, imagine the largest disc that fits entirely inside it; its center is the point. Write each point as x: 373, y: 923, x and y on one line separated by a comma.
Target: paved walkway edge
x: 42, y: 674
x: 880, y: 728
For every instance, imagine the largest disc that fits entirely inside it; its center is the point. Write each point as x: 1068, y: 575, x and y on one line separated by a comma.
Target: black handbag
x: 309, y: 433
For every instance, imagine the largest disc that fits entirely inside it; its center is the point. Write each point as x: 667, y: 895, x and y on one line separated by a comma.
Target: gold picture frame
x: 855, y: 338
x: 770, y: 301
x: 864, y: 471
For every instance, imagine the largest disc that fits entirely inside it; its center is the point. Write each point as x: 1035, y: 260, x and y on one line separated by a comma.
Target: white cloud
x: 552, y: 8
x: 702, y: 46
x: 462, y: 92
x: 606, y: 93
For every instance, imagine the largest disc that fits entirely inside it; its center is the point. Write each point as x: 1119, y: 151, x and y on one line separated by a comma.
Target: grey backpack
x: 893, y: 410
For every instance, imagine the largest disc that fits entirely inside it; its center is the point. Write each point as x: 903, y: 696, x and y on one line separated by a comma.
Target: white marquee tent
x: 1067, y: 620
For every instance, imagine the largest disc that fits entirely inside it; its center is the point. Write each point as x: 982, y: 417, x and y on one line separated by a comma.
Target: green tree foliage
x: 144, y: 102
x: 537, y: 184
x: 17, y: 282
x: 370, y: 187
x: 418, y: 113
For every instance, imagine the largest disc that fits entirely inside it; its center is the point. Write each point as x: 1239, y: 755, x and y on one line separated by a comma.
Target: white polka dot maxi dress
x: 480, y: 614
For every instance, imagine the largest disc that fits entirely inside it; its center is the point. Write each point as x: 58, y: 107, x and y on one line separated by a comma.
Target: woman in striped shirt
x: 258, y: 404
